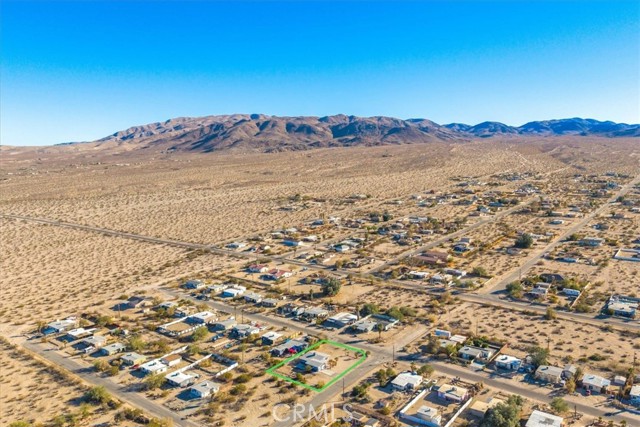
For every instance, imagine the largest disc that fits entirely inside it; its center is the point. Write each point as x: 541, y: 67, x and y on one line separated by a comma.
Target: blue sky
x: 80, y: 70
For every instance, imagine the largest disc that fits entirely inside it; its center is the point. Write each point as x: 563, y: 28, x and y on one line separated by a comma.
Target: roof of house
x: 206, y: 386
x: 453, y: 390
x: 549, y: 370
x: 407, y: 378
x: 505, y: 358
x: 595, y: 380
x: 179, y: 377
x: 543, y: 419
x: 132, y: 357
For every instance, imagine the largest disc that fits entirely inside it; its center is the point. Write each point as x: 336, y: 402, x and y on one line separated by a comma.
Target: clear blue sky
x: 74, y: 71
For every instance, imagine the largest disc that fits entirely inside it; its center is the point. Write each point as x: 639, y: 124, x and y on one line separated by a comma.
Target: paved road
x: 133, y: 398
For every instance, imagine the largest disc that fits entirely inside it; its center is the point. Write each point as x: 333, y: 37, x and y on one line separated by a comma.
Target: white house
x: 406, y: 381
x: 543, y: 419
x: 507, y: 362
x: 180, y: 379
x: 204, y: 389
x: 153, y: 367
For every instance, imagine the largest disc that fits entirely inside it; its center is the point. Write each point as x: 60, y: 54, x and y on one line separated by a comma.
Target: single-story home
x: 223, y: 325
x: 204, y: 389
x: 543, y: 419
x: 233, y: 291
x: 153, y: 367
x: 91, y: 343
x: 111, y: 349
x: 270, y: 302
x: 450, y: 392
x: 137, y: 302
x: 406, y: 381
x: 132, y: 359
x: 342, y: 319
x: 200, y: 318
x: 253, y: 297
x: 289, y: 347
x: 271, y: 338
x: 469, y: 352
x: 60, y: 326
x: 258, y: 268
x: 277, y: 274
x: 595, y: 383
x: 550, y: 374
x: 312, y: 313
x: 171, y: 360
x: 507, y: 362
x: 313, y: 361
x: 180, y: 379
x: 365, y: 326
x: 243, y: 330
x: 193, y: 284
x: 428, y: 416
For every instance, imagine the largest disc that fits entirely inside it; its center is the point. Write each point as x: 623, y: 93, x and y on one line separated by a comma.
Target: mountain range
x: 258, y: 132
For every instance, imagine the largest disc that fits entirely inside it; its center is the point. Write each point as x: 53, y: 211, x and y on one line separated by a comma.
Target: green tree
x: 136, y: 343
x: 504, y: 414
x: 98, y: 395
x: 515, y: 289
x: 331, y: 287
x: 550, y: 314
x: 20, y: 423
x: 199, y: 334
x: 368, y: 309
x: 539, y: 356
x: 155, y: 381
x: 570, y: 385
x: 524, y: 241
x: 559, y: 405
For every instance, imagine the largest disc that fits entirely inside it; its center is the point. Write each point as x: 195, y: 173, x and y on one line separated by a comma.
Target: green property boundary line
x: 362, y: 353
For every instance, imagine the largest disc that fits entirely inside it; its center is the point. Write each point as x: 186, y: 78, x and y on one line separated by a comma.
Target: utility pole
x: 343, y: 392
x: 394, y: 353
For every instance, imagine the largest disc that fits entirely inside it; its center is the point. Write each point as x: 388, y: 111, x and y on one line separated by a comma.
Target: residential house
x: 595, y: 383
x: 428, y: 416
x: 111, y: 349
x: 171, y: 359
x: 364, y: 326
x: 543, y: 419
x: 223, y: 325
x: 201, y: 318
x: 180, y: 379
x: 204, y: 389
x: 234, y: 291
x: 288, y: 348
x: 60, y: 326
x: 253, y: 298
x: 137, y: 302
x: 132, y: 359
x: 258, y: 268
x: 569, y: 371
x: 276, y: 274
x: 313, y: 361
x: 153, y: 367
x: 270, y: 302
x: 194, y: 284
x: 432, y: 258
x: 406, y: 381
x: 313, y: 313
x: 469, y: 352
x: 591, y: 241
x: 452, y: 393
x: 91, y: 343
x: 509, y: 363
x: 479, y: 408
x: 271, y: 338
x: 241, y: 330
x: 550, y: 374
x: 342, y: 319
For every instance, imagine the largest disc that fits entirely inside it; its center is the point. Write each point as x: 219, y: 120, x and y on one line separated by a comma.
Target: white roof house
x: 153, y: 367
x: 543, y: 419
x: 406, y: 381
x: 179, y: 379
x: 595, y: 382
x: 234, y: 291
x: 201, y: 317
x: 429, y: 414
x: 204, y: 389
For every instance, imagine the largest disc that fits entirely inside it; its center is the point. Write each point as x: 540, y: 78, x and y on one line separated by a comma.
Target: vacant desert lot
x: 51, y: 272
x: 30, y: 390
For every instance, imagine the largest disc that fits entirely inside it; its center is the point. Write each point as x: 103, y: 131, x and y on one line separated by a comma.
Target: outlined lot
x: 362, y: 357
